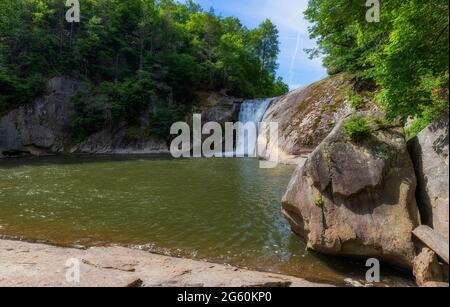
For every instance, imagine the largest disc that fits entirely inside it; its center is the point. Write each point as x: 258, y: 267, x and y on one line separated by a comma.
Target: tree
x: 265, y: 44
x: 405, y: 55
x: 133, y: 54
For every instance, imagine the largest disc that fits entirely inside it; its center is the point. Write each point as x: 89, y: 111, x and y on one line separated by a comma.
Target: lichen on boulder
x: 368, y: 208
x: 306, y: 116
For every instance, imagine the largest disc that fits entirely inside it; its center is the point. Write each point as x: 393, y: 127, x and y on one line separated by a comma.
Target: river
x: 220, y: 210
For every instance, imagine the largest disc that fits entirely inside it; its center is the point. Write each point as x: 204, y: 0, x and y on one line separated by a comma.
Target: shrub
x: 422, y: 121
x: 91, y: 114
x: 355, y: 100
x: 136, y: 133
x: 162, y: 118
x: 279, y: 88
x: 357, y: 127
x: 16, y: 91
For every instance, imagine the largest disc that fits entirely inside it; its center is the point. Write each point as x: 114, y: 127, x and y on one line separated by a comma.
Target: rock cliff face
x: 116, y: 140
x: 356, y: 200
x: 429, y: 151
x: 306, y: 116
x: 219, y: 108
x: 42, y: 126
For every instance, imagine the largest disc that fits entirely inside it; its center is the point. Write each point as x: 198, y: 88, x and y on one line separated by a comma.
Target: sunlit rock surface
x: 353, y: 199
x: 305, y: 117
x: 429, y: 151
x: 26, y: 264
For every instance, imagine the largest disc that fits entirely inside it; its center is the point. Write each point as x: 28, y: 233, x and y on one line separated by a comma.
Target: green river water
x: 220, y: 210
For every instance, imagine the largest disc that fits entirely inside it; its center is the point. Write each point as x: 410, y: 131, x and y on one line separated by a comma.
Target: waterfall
x: 251, y: 113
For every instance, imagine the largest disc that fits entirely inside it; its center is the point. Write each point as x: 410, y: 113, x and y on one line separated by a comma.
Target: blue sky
x: 295, y: 67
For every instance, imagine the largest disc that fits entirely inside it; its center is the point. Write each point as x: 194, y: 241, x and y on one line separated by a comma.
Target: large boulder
x: 42, y: 126
x: 429, y: 152
x: 356, y: 199
x: 306, y: 116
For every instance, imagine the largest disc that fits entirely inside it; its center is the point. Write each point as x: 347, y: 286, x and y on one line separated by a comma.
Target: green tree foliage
x: 133, y: 54
x: 405, y: 54
x: 265, y: 44
x: 162, y: 118
x: 356, y: 100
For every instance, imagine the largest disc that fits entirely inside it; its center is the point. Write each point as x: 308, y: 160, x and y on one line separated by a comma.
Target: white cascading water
x: 252, y: 111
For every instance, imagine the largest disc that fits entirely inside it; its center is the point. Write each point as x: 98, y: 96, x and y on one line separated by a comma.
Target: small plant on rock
x: 357, y: 127
x: 318, y: 201
x: 356, y: 101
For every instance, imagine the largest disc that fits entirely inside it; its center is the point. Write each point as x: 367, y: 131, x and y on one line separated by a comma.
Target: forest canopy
x: 132, y: 52
x: 404, y: 56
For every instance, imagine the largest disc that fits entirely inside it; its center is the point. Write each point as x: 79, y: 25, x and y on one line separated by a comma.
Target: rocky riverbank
x: 354, y: 198
x: 361, y: 198
x: 28, y: 264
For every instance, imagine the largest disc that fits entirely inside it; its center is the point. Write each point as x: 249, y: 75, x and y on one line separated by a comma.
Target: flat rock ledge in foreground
x: 26, y: 265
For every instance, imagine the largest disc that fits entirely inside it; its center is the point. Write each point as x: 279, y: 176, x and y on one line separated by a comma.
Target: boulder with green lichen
x: 357, y: 198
